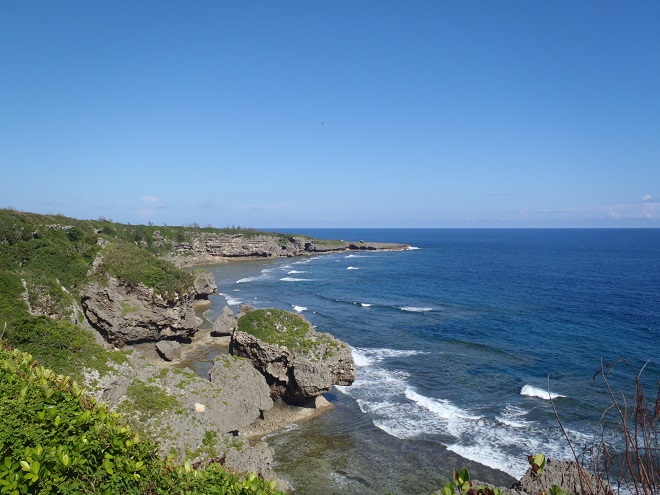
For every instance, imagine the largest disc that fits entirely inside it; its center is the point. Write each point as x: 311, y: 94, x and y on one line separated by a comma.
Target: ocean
x: 458, y: 343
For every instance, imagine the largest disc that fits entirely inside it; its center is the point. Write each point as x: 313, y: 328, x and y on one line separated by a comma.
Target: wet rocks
x: 204, y: 284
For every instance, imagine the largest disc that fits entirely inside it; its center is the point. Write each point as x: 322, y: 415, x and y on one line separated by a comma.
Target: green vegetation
x: 279, y: 327
x: 463, y: 486
x: 133, y: 266
x: 68, y: 444
x: 150, y: 400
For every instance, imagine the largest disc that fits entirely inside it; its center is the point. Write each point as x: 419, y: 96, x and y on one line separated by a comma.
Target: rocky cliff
x: 298, y: 362
x: 126, y: 314
x: 209, y: 247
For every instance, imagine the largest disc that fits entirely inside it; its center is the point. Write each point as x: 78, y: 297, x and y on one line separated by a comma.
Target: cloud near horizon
x: 150, y: 204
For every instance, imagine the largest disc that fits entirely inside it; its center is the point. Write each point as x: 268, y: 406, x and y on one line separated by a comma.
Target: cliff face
x: 209, y: 247
x: 125, y: 315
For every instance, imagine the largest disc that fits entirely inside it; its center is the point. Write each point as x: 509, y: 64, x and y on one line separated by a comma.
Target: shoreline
x: 277, y: 419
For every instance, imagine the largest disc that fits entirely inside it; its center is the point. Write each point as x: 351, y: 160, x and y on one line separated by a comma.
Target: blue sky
x: 340, y: 113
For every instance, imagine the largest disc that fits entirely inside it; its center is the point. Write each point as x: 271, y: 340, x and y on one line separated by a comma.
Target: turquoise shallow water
x: 454, y: 344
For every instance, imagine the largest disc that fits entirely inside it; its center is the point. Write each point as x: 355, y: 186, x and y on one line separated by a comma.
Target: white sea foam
x: 513, y: 416
x: 361, y: 359
x: 293, y: 279
x: 442, y: 408
x: 352, y: 268
x: 247, y: 279
x: 531, y: 391
x: 355, y: 256
x: 412, y: 248
x: 366, y: 305
x: 398, y: 409
x: 414, y: 309
x: 231, y: 301
x: 299, y: 309
x: 295, y: 271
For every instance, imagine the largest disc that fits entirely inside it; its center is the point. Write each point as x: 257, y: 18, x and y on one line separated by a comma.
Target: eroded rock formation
x: 296, y: 373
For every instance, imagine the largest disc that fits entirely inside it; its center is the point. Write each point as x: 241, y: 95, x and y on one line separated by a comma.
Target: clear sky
x: 336, y: 113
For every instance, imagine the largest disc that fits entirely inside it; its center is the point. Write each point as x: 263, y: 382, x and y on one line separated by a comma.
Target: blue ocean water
x: 458, y: 340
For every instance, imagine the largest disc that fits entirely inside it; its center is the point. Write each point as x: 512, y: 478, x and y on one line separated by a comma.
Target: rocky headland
x: 209, y: 248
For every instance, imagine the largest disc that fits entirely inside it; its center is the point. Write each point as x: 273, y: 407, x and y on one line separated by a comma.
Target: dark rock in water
x: 309, y: 366
x: 169, y: 350
x: 204, y: 284
x: 125, y: 315
x: 225, y: 324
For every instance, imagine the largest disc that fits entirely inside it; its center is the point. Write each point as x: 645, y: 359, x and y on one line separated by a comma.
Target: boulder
x: 204, y: 284
x: 169, y: 350
x: 248, y: 401
x: 297, y: 361
x: 566, y: 475
x: 225, y: 324
x: 125, y: 314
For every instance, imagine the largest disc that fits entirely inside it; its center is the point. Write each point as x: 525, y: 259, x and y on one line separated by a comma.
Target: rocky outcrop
x: 252, y: 398
x: 204, y: 284
x: 188, y: 415
x: 225, y: 324
x: 307, y: 367
x: 208, y: 247
x: 125, y: 315
x: 169, y: 350
x: 569, y: 476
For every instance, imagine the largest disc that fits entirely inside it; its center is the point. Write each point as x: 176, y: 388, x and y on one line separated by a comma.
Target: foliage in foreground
x: 55, y: 439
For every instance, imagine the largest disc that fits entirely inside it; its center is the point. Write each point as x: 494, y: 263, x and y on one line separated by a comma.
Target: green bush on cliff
x: 55, y: 439
x: 283, y: 328
x: 133, y: 265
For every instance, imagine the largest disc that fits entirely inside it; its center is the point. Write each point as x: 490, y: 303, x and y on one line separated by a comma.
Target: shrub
x: 57, y: 440
x: 133, y: 265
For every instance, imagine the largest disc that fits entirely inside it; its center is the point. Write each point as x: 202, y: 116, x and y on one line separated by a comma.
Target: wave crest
x: 531, y: 391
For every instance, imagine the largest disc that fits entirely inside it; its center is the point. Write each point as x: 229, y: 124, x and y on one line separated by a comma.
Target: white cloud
x: 646, y: 197
x: 209, y: 205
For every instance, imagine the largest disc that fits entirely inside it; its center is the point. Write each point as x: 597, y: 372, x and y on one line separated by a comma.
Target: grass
x: 279, y: 327
x: 133, y: 266
x: 150, y: 400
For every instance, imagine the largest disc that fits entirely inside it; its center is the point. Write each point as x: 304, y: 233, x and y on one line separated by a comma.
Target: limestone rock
x: 225, y: 324
x: 308, y: 368
x: 235, y: 398
x: 244, y: 308
x: 125, y: 315
x: 251, y: 398
x: 169, y: 350
x: 564, y: 474
x: 204, y: 284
